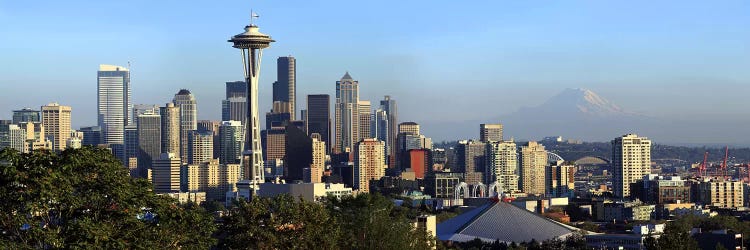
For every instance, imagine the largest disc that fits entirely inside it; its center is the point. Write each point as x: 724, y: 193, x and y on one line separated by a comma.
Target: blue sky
x: 664, y: 58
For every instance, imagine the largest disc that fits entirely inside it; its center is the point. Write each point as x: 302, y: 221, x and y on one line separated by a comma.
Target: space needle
x: 251, y: 43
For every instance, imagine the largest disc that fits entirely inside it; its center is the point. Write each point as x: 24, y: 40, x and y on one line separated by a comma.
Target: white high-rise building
x: 631, y: 160
x: 346, y: 114
x: 113, y: 102
x: 502, y: 165
x: 200, y: 146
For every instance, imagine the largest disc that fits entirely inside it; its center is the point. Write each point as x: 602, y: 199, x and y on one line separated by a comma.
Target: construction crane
x: 702, y: 168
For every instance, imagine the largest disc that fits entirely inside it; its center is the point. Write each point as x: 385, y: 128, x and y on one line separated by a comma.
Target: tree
x: 279, y: 223
x: 84, y: 198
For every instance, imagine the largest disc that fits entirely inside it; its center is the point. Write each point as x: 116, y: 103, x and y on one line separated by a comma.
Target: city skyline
x: 517, y: 47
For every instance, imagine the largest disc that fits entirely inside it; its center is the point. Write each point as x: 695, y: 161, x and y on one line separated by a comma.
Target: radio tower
x: 251, y: 43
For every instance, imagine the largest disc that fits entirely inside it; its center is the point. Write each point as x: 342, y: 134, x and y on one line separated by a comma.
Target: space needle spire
x: 251, y: 44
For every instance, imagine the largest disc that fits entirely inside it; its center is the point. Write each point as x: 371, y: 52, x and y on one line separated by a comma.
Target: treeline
x: 84, y: 199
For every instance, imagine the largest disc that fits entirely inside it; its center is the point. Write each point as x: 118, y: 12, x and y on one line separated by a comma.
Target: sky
x: 441, y: 60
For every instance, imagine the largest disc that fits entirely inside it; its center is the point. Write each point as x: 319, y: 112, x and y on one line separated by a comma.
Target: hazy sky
x: 439, y: 59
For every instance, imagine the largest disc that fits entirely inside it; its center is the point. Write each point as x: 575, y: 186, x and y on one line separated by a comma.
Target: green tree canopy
x: 84, y: 198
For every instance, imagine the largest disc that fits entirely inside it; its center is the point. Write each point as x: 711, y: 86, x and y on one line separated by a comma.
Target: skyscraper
x: 56, y: 120
x: 170, y: 129
x: 26, y: 115
x: 165, y: 173
x: 230, y: 142
x: 286, y: 83
x: 318, y: 165
x: 149, y: 141
x: 471, y: 161
x: 113, y: 102
x: 234, y: 107
x: 502, y: 165
x: 251, y: 43
x: 185, y: 101
x: 319, y: 117
x: 131, y: 147
x: 490, y: 132
x: 213, y: 127
x: 391, y: 109
x: 533, y: 162
x: 365, y: 118
x: 369, y: 163
x: 139, y: 109
x: 200, y: 146
x: 631, y: 160
x: 346, y: 112
x: 404, y: 129
x: 379, y: 129
x: 236, y: 89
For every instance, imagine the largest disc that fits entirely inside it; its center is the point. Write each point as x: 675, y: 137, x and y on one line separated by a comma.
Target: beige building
x: 185, y: 197
x: 559, y: 180
x: 490, y: 132
x: 35, y: 137
x: 726, y: 194
x: 533, y: 162
x: 502, y: 165
x: 200, y: 147
x: 369, y: 163
x: 170, y: 129
x: 165, y: 173
x: 56, y: 120
x: 318, y: 164
x: 212, y: 178
x: 409, y: 128
x: 631, y: 160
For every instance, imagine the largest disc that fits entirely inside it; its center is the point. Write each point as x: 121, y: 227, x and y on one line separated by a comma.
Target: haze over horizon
x: 464, y: 64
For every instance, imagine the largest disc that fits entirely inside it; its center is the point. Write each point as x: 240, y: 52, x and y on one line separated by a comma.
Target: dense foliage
x: 84, y: 198
x: 677, y: 233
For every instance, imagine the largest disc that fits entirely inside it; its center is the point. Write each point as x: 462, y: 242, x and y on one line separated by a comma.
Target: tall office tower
x: 274, y: 146
x: 533, y: 162
x: 502, y: 165
x: 170, y: 129
x: 131, y: 146
x: 56, y: 120
x: 251, y: 43
x: 368, y: 163
x: 404, y: 129
x: 298, y: 152
x: 165, y: 173
x: 379, y: 130
x: 631, y: 160
x: 231, y: 137
x: 319, y: 118
x: 213, y: 127
x: 490, y: 132
x: 470, y: 160
x: 149, y: 141
x: 234, y: 107
x: 318, y: 165
x: 26, y: 115
x: 389, y: 106
x: 211, y: 177
x: 365, y: 118
x: 560, y: 180
x: 284, y: 89
x: 303, y: 117
x: 113, y: 102
x: 92, y: 135
x: 200, y: 146
x: 346, y: 112
x: 139, y: 109
x: 188, y: 118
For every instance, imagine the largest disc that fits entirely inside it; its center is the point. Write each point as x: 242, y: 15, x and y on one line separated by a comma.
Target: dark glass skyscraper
x: 234, y: 107
x: 389, y: 106
x: 319, y: 117
x: 26, y: 115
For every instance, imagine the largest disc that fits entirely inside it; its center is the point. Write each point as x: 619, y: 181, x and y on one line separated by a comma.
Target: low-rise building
x: 308, y: 191
x: 721, y: 193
